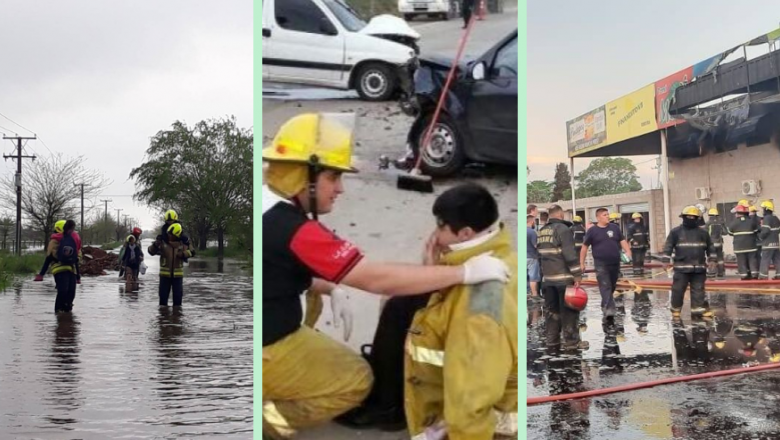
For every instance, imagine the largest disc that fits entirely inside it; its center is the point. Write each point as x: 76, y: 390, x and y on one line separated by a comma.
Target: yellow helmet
x: 743, y: 202
x: 753, y: 209
x: 720, y: 344
x: 322, y: 139
x: 774, y: 357
x: 614, y: 216
x: 171, y: 215
x: 766, y: 204
x: 577, y: 219
x: 713, y: 211
x: 636, y: 215
x: 127, y: 240
x: 175, y: 229
x: 691, y: 210
x: 59, y: 226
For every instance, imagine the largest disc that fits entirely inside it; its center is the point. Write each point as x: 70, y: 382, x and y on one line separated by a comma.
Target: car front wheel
x: 375, y: 82
x: 444, y: 154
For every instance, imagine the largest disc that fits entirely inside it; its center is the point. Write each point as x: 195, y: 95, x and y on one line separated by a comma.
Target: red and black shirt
x: 295, y: 250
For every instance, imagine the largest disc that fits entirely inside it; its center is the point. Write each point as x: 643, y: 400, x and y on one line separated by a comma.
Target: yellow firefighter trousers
x: 308, y: 379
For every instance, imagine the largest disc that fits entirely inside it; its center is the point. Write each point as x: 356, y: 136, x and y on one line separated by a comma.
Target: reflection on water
x: 120, y: 366
x: 646, y: 343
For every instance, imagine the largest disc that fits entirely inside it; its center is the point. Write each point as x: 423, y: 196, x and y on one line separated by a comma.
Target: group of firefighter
x: 694, y: 249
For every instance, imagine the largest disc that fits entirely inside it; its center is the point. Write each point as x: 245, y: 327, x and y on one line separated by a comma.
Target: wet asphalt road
x: 644, y: 344
x: 121, y: 367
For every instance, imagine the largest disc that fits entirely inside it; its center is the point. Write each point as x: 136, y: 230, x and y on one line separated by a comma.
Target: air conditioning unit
x: 702, y: 193
x: 751, y: 187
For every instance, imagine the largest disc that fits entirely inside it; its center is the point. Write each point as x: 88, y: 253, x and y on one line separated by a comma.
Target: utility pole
x: 105, y: 217
x: 18, y: 181
x: 118, y: 210
x: 82, y: 205
x: 124, y: 217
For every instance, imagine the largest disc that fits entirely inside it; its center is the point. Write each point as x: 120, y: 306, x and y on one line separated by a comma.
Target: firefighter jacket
x: 460, y: 360
x: 579, y: 234
x: 638, y: 236
x: 689, y: 248
x: 716, y: 229
x: 560, y: 261
x: 744, y: 230
x: 172, y: 255
x: 769, y: 235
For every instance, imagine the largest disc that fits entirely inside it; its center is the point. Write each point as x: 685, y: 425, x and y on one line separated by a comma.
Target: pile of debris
x: 96, y: 261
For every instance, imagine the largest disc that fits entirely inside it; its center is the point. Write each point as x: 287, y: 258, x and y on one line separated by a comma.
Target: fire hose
x: 531, y: 401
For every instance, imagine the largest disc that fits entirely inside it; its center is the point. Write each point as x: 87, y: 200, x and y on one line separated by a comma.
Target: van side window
x: 299, y: 15
x: 505, y: 64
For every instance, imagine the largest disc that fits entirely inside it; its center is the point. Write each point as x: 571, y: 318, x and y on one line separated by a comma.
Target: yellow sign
x: 632, y: 115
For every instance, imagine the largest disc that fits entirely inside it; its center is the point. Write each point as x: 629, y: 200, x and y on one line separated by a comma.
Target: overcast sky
x: 98, y: 78
x: 588, y: 53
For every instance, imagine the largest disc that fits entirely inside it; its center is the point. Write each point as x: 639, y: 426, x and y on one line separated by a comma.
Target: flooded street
x: 122, y: 367
x: 645, y: 343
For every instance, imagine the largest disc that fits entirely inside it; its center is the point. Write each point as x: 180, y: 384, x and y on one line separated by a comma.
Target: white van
x: 443, y: 9
x: 326, y: 43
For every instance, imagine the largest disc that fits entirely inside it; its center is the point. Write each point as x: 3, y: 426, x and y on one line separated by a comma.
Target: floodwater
x: 646, y: 343
x: 122, y: 367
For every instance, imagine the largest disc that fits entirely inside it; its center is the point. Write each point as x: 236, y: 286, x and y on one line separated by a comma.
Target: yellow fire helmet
x: 713, y: 211
x: 691, y: 210
x: 318, y: 139
x: 171, y: 215
x: 175, y: 229
x: 636, y: 215
x: 753, y: 209
x: 577, y: 219
x: 743, y: 202
x: 59, y: 226
x: 614, y: 216
x: 767, y: 204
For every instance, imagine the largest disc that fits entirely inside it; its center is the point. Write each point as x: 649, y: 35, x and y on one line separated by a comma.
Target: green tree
x: 607, y: 175
x: 204, y: 172
x: 539, y: 191
x: 562, y: 182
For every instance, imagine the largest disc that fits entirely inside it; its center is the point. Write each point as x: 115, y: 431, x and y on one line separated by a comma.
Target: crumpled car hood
x: 389, y: 25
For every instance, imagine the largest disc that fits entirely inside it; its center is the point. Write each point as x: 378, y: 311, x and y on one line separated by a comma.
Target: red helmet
x: 742, y: 209
x: 575, y: 298
x: 137, y: 231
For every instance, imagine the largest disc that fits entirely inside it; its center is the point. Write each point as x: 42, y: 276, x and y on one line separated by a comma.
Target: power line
x: 17, y: 123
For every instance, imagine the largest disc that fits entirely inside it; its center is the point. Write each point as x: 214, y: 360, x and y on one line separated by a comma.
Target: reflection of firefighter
x: 750, y: 336
x: 641, y: 311
x: 639, y: 237
x: 572, y: 417
x: 716, y: 229
x: 610, y: 356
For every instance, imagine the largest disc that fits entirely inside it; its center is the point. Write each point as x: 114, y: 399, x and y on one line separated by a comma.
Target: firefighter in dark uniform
x: 561, y: 269
x: 309, y: 378
x: 716, y: 229
x: 753, y: 215
x: 744, y: 231
x: 688, y: 246
x: 769, y: 238
x: 639, y: 238
x: 579, y: 233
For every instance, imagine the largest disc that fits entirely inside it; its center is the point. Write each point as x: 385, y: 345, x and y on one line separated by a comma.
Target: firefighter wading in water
x: 688, y: 246
x: 308, y: 378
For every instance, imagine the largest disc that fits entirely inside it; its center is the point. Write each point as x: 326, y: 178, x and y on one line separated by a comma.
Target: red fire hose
x: 531, y: 401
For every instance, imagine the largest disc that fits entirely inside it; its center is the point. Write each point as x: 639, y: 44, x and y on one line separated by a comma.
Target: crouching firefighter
x: 309, y: 378
x: 689, y: 246
x: 172, y: 253
x: 639, y: 237
x: 769, y: 239
x: 716, y: 229
x: 744, y: 230
x: 561, y: 269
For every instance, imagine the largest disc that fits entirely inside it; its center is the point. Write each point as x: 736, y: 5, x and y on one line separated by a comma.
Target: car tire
x: 408, y: 17
x: 445, y: 154
x: 375, y: 82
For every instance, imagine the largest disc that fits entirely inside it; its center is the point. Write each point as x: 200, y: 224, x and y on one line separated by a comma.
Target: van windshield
x: 348, y: 17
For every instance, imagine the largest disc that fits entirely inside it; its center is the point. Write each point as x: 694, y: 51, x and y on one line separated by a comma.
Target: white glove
x: 484, y: 268
x: 339, y: 304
